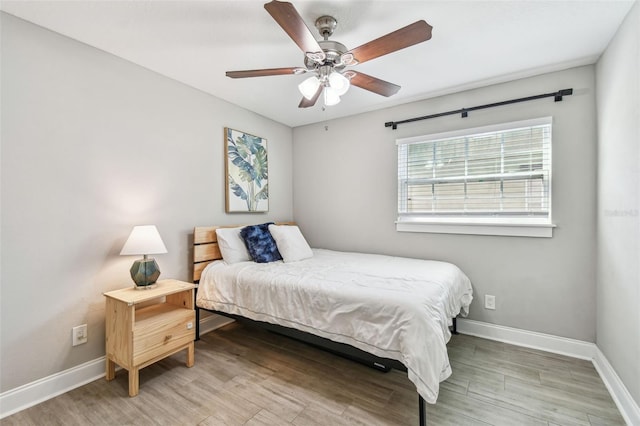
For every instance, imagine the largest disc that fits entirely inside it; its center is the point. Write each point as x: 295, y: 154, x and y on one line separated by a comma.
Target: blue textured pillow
x: 261, y: 245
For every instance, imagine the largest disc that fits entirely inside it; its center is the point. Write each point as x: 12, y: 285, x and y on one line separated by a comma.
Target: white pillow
x: 232, y: 245
x: 291, y: 244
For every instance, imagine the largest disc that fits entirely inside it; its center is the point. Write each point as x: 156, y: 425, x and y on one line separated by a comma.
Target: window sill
x: 474, y: 228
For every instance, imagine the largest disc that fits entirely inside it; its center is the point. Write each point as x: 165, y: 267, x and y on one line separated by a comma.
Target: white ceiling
x: 474, y: 43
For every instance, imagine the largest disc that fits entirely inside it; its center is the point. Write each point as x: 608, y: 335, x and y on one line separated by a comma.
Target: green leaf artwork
x: 247, y: 177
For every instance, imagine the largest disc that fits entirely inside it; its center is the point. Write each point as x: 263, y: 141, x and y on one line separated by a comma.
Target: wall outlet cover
x: 79, y: 335
x: 489, y: 301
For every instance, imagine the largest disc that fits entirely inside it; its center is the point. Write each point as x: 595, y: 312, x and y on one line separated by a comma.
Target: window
x: 492, y: 180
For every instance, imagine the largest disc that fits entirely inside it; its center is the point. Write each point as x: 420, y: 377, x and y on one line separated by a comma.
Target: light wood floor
x: 244, y: 376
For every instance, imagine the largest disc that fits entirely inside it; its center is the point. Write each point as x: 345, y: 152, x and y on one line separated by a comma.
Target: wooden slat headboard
x: 205, y: 246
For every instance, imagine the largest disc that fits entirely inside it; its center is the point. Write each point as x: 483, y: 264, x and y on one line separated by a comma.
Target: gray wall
x: 92, y: 145
x: 344, y: 189
x: 618, y: 94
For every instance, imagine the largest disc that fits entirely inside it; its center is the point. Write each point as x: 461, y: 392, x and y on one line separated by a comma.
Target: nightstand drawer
x: 155, y: 334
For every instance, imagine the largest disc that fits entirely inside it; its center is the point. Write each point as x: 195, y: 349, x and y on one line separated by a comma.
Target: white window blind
x: 498, y: 174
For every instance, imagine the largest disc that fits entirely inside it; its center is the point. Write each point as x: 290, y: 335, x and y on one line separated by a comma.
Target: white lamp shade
x: 144, y: 239
x: 339, y: 83
x: 330, y: 96
x: 309, y: 87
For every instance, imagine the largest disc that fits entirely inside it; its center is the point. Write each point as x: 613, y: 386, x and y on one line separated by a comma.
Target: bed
x: 388, y: 311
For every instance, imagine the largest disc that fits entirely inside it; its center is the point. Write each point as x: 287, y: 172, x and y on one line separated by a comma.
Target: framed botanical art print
x: 247, y: 177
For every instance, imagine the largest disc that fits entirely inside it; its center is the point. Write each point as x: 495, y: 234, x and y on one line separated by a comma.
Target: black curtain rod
x: 465, y: 111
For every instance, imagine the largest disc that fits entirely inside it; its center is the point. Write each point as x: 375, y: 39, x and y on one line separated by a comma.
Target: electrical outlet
x: 489, y: 301
x: 79, y: 335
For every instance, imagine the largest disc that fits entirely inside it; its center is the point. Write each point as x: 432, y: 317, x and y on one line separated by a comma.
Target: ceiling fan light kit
x: 334, y: 83
x: 339, y: 83
x: 331, y: 97
x: 309, y: 87
x: 327, y: 59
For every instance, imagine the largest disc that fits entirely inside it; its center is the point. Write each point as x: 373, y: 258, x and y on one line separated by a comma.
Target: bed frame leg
x: 197, y: 323
x: 195, y: 297
x: 423, y: 415
x: 455, y: 326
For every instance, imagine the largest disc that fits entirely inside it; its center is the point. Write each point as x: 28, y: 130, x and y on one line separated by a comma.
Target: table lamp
x: 144, y: 240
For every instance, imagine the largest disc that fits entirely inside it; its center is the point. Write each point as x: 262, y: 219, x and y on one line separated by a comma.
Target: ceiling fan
x: 327, y: 59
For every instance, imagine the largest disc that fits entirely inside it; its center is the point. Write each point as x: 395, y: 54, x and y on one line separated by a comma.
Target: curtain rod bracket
x: 561, y: 93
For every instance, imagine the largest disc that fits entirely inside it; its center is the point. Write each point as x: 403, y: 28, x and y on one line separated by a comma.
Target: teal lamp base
x: 145, y: 273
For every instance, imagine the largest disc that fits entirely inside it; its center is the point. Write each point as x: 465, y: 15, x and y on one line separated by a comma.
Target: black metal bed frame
x: 341, y: 349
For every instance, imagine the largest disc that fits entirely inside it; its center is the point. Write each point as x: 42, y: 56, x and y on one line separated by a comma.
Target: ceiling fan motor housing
x: 333, y: 51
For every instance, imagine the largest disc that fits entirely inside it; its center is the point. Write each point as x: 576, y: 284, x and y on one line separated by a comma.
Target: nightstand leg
x: 191, y: 352
x: 134, y: 384
x: 111, y: 370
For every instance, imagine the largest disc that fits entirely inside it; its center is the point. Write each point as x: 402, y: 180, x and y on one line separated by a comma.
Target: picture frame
x: 246, y: 172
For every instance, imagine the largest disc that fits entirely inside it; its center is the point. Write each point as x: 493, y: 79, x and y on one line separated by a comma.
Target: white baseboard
x: 33, y: 393
x: 619, y: 392
x: 213, y: 322
x: 46, y: 388
x: 563, y: 346
x: 529, y: 339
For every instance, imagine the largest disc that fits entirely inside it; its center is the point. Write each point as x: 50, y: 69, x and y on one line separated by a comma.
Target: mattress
x: 392, y: 307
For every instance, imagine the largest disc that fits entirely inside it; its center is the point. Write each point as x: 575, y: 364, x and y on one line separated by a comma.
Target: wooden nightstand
x: 139, y: 336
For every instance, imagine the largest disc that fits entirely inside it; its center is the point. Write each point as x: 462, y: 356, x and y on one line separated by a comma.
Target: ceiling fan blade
x: 292, y: 23
x: 373, y: 84
x: 265, y: 72
x: 306, y: 103
x: 404, y: 37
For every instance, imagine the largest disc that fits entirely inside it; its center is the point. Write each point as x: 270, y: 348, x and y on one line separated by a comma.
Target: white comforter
x: 391, y: 307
